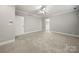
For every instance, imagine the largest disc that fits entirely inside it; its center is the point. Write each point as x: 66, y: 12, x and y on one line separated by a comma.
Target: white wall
x: 19, y: 25
x: 7, y: 13
x: 67, y: 23
x: 32, y: 24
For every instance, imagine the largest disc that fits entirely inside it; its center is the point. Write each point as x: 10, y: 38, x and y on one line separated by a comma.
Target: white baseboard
x: 73, y: 35
x: 28, y: 32
x: 7, y: 42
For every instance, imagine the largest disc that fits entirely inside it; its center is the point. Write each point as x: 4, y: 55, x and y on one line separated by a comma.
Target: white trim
x: 73, y: 35
x: 28, y: 32
x: 7, y: 42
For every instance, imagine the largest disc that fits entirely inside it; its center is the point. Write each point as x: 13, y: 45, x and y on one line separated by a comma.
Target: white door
x: 19, y: 25
x: 47, y: 25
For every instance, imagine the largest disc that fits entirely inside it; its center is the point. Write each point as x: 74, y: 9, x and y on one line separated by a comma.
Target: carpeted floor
x: 42, y: 42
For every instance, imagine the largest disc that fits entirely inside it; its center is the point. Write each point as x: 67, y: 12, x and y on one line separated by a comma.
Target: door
x: 19, y: 25
x: 47, y: 25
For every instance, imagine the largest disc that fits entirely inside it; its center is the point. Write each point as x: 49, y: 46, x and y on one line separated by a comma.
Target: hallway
x: 42, y: 42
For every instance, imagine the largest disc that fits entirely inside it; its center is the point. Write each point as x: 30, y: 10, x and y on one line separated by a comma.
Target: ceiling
x: 50, y: 9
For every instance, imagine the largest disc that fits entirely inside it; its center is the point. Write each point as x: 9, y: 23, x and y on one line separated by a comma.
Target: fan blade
x: 42, y: 7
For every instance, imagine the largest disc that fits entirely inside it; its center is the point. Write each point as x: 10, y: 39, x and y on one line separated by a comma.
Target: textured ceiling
x: 50, y: 9
x: 28, y: 7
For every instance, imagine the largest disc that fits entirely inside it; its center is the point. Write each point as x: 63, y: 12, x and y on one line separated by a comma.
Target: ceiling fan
x: 41, y: 11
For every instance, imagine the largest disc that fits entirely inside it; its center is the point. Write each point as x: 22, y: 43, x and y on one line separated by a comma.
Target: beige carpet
x: 42, y: 42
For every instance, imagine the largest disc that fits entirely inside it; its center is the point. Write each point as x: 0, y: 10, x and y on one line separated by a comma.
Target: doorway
x: 47, y: 25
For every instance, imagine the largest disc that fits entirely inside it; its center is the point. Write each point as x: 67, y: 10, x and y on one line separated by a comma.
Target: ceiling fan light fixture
x: 44, y: 9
